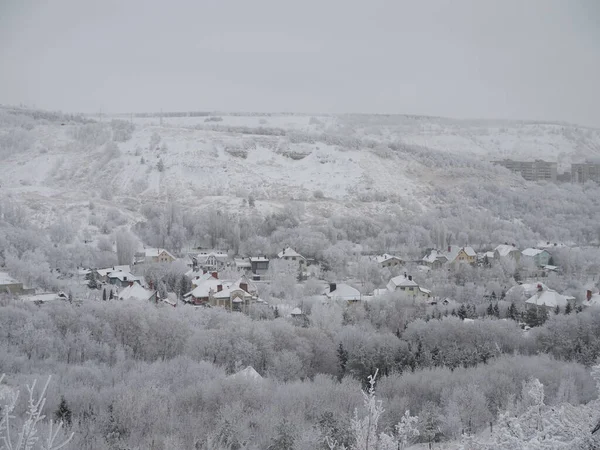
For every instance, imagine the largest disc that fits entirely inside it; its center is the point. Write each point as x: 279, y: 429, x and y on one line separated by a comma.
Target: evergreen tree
x: 512, y: 312
x: 63, y: 413
x: 531, y: 317
x: 568, y: 308
x: 185, y: 286
x: 490, y: 310
x: 111, y: 295
x: 93, y: 283
x: 503, y: 295
x: 342, y: 355
x: 542, y: 316
x: 429, y: 424
x: 453, y: 313
x: 70, y: 297
x: 496, y: 310
x: 551, y: 261
x: 578, y: 309
x: 557, y: 310
x: 276, y: 313
x: 462, y: 312
x: 493, y: 296
x: 104, y: 294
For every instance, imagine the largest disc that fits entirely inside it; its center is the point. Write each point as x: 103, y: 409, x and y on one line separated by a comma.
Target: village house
x: 122, y: 278
x: 154, y: 255
x: 549, y: 299
x: 136, y: 292
x: 435, y: 259
x: 406, y: 284
x: 592, y: 297
x: 45, y: 297
x: 387, y: 260
x: 8, y: 285
x: 259, y: 265
x: 507, y: 251
x: 214, y: 260
x: 289, y: 254
x: 538, y: 257
x: 341, y: 291
x: 102, y: 274
x: 234, y: 296
x: 456, y: 254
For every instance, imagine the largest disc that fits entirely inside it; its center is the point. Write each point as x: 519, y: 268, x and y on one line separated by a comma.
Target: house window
x: 293, y: 258
x: 403, y: 288
x: 410, y: 289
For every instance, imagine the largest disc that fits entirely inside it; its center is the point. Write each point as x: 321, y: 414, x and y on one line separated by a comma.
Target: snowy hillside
x: 334, y: 162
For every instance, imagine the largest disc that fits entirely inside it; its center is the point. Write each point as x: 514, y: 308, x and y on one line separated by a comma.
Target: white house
x: 407, y: 285
x: 549, y: 298
x: 289, y: 254
x: 137, y: 292
x: 341, y: 291
x: 387, y: 260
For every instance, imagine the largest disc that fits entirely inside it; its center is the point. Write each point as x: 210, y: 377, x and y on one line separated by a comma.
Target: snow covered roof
x: 248, y: 373
x: 5, y: 278
x: 105, y: 272
x: 385, y: 257
x: 455, y: 250
x: 403, y: 281
x: 49, y: 297
x: 203, y: 257
x: 200, y: 278
x: 259, y: 259
x: 425, y: 291
x: 237, y: 286
x: 549, y: 298
x: 526, y: 290
x: 123, y: 276
x: 154, y: 252
x: 490, y: 255
x: 296, y: 312
x: 289, y: 252
x: 343, y: 291
x: 432, y: 256
x: 242, y: 263
x: 136, y: 292
x: 505, y: 249
x: 203, y: 289
x: 531, y: 252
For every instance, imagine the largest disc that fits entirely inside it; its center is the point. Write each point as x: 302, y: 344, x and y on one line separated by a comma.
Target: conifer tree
x: 63, y: 413
x: 342, y: 355
x: 568, y: 308
x: 496, y: 310
x: 462, y: 312
x: 111, y: 295
x: 490, y: 310
x: 104, y: 294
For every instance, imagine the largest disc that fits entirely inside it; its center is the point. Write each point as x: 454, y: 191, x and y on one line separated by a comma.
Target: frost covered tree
x: 365, y: 430
x: 126, y: 246
x: 22, y: 433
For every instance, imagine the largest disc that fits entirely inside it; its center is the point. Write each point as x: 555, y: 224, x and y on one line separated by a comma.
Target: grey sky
x: 532, y: 59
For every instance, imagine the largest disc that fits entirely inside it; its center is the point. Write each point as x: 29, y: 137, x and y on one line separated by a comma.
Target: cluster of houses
x: 238, y: 293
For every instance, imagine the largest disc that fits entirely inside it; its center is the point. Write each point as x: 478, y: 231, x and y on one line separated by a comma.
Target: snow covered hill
x: 330, y: 161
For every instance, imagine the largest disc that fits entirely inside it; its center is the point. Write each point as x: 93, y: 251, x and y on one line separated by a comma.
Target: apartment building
x: 531, y: 170
x: 583, y: 172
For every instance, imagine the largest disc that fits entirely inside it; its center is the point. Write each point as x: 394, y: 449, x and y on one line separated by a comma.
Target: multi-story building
x: 531, y: 170
x: 583, y: 172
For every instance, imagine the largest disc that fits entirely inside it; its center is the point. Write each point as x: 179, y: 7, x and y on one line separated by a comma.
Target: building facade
x: 531, y: 170
x: 583, y: 172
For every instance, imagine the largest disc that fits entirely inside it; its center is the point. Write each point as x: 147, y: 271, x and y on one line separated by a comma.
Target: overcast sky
x: 527, y: 59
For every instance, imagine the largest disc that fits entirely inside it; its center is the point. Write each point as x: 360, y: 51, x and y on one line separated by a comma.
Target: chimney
x: 219, y: 288
x: 588, y: 295
x: 215, y: 275
x: 404, y: 274
x: 540, y: 288
x: 244, y: 286
x: 197, y: 277
x: 332, y: 287
x: 410, y: 278
x: 131, y: 283
x: 449, y: 248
